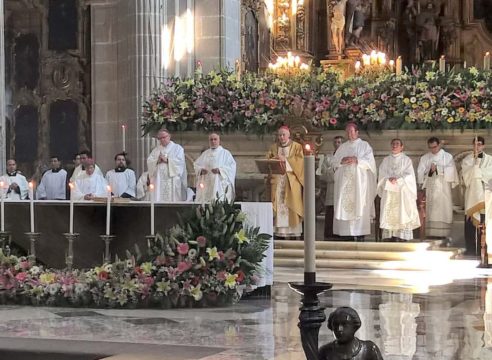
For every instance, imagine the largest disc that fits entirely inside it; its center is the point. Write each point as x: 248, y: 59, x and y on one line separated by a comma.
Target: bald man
x: 215, y: 171
x: 286, y: 191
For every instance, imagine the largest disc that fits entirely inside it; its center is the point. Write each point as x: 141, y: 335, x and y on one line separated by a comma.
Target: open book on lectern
x: 270, y: 166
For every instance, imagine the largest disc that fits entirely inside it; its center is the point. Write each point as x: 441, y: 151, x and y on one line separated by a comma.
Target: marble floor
x: 447, y: 320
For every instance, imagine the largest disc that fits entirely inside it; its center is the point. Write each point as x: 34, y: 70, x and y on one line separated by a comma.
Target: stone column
x: 3, y: 148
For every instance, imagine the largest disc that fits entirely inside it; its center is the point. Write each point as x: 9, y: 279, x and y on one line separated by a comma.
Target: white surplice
x: 354, y: 190
x: 211, y: 186
x: 476, y: 172
x: 399, y: 214
x: 94, y: 184
x: 20, y: 180
x: 80, y: 171
x: 439, y: 201
x: 53, y: 186
x: 169, y: 178
x: 122, y: 182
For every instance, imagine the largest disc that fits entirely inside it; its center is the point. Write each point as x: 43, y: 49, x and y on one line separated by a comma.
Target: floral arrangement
x: 208, y: 259
x: 422, y: 98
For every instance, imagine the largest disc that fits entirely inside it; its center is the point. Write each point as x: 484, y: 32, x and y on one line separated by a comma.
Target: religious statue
x: 344, y: 322
x: 355, y: 18
x: 338, y: 25
x: 427, y: 30
x: 409, y: 25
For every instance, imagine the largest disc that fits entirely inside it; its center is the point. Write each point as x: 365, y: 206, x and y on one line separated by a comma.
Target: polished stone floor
x: 450, y: 320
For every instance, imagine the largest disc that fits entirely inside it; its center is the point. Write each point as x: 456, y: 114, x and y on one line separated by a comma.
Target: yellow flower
x: 163, y: 286
x: 241, y: 236
x: 146, y: 267
x: 461, y: 110
x: 425, y: 105
x: 414, y: 106
x: 213, y: 253
x: 230, y: 281
x: 450, y: 119
x: 47, y: 278
x: 338, y: 94
x: 406, y: 101
x: 183, y: 105
x: 196, y: 292
x: 216, y: 80
x: 321, y: 77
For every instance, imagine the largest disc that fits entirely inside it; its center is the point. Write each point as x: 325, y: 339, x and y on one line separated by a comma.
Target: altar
x: 130, y: 223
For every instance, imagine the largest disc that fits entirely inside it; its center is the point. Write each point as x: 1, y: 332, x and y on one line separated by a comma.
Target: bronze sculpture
x: 344, y: 322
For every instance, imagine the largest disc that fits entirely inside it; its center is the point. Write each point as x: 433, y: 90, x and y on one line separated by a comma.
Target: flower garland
x: 258, y: 104
x: 208, y: 259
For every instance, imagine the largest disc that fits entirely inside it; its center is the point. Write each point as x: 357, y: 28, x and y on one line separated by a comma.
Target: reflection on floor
x: 451, y: 321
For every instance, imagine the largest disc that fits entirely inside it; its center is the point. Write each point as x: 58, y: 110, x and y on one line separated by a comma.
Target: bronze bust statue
x: 345, y: 322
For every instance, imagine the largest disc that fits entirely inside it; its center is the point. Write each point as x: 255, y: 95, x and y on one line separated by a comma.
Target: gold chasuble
x: 288, y: 207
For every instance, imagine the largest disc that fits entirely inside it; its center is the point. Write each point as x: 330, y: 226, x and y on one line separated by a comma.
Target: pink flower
x: 183, y: 266
x: 221, y: 255
x: 202, y: 241
x: 183, y: 248
x: 221, y: 275
x: 24, y: 265
x: 21, y: 276
x: 333, y: 121
x: 240, y: 276
x: 172, y: 273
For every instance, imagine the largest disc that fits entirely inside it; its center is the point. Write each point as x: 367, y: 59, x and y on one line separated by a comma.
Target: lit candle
x: 391, y: 64
x: 238, y: 70
x: 3, y: 206
x: 374, y: 57
x: 357, y: 67
x: 31, y: 205
x: 123, y: 131
x: 71, y: 185
x: 442, y: 64
x: 297, y: 61
x: 366, y: 60
x: 108, y: 210
x: 152, y: 209
x: 381, y: 58
x: 309, y: 217
x: 398, y: 65
x: 486, y: 61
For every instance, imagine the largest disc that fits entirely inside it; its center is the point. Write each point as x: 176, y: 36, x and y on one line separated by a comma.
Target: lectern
x: 270, y: 167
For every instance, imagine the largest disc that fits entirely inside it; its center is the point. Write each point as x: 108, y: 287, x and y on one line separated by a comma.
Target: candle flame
x: 487, y: 53
x: 202, y: 186
x: 71, y: 185
x: 442, y: 57
x: 31, y: 184
x: 151, y: 187
x: 307, y: 147
x: 123, y: 126
x: 1, y: 184
x: 108, y: 188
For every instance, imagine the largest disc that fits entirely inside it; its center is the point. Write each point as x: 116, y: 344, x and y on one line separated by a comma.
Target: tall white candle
x: 309, y: 213
x: 108, y: 210
x: 123, y: 132
x: 31, y: 205
x: 3, y: 206
x: 486, y: 61
x: 71, y: 185
x: 152, y: 209
x: 442, y: 64
x: 398, y: 65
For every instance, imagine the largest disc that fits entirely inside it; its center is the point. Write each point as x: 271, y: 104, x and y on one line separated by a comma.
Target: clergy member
x: 286, y: 190
x: 16, y: 184
x: 476, y: 170
x: 85, y: 156
x: 215, y: 172
x: 355, y: 186
x: 121, y: 179
x: 436, y: 174
x: 397, y: 188
x: 167, y: 169
x: 53, y: 184
x: 327, y: 173
x: 91, y: 184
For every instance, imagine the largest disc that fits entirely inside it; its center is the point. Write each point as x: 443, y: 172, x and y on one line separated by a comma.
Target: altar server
x: 16, y: 186
x: 121, y: 179
x: 215, y: 171
x: 355, y: 186
x: 476, y: 170
x: 437, y: 174
x: 167, y: 169
x: 85, y: 156
x: 397, y: 188
x: 53, y: 184
x: 90, y: 185
x: 286, y: 190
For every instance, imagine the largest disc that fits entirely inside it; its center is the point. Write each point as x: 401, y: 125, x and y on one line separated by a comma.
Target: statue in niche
x: 250, y: 55
x: 344, y: 322
x: 338, y: 25
x: 62, y: 25
x: 26, y: 61
x: 409, y: 17
x: 357, y: 11
x: 427, y: 31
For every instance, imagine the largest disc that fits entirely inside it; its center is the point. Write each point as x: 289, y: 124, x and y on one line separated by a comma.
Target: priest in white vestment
x: 397, y: 188
x: 53, y: 184
x: 15, y: 184
x: 122, y: 179
x: 437, y: 174
x: 167, y: 169
x: 215, y: 171
x: 327, y: 173
x: 90, y: 185
x: 287, y: 189
x: 355, y: 186
x: 476, y: 171
x: 85, y: 156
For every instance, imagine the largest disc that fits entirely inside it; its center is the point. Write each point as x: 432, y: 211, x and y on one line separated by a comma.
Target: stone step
x: 359, y: 246
x: 368, y: 255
